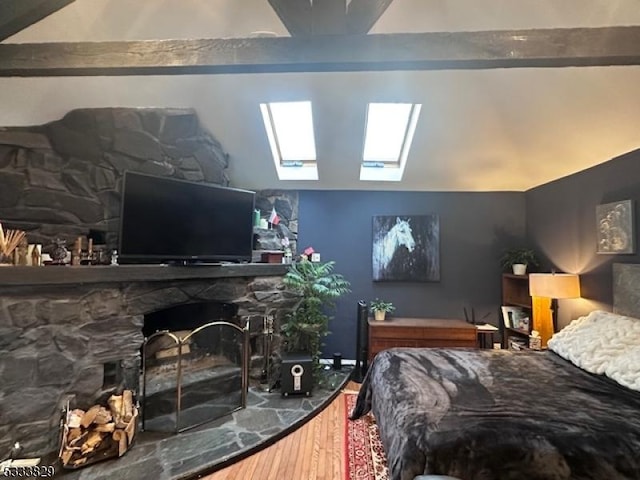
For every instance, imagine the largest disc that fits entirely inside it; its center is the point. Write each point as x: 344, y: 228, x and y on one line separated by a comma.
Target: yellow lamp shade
x: 554, y: 285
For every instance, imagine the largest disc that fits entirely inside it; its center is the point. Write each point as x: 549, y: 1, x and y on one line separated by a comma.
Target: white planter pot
x: 379, y: 315
x: 519, y: 268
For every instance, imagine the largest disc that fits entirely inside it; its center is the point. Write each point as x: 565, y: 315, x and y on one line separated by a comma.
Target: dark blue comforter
x: 492, y: 414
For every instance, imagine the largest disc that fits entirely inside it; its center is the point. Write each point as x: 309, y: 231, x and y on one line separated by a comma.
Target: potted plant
x: 318, y: 288
x: 380, y: 308
x: 517, y: 259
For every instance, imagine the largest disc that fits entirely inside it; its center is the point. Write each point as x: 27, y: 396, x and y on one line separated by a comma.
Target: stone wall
x: 64, y: 178
x: 56, y: 340
x: 285, y: 203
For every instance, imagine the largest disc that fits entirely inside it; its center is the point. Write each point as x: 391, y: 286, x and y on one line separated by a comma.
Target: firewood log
x: 73, y: 434
x: 105, y: 427
x: 120, y: 437
x: 164, y: 342
x: 127, y: 405
x: 89, y: 416
x: 66, y: 456
x: 79, y: 440
x: 103, y: 416
x: 115, y: 405
x: 130, y: 429
x: 93, y: 440
x: 172, y: 352
x: 75, y: 417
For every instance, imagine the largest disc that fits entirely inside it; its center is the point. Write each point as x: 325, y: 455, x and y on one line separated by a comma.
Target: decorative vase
x: 379, y: 315
x: 519, y: 268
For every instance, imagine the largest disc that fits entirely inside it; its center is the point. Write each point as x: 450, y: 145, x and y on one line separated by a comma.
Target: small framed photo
x: 514, y: 317
x: 615, y: 228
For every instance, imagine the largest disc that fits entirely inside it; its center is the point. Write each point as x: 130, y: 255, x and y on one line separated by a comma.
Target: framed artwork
x: 615, y: 227
x: 406, y: 248
x: 515, y: 317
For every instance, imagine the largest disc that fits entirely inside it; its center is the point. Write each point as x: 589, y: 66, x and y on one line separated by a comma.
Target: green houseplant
x: 318, y: 288
x: 518, y: 259
x: 380, y: 308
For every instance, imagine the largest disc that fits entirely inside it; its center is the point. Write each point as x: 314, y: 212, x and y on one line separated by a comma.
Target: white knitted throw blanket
x: 603, y: 343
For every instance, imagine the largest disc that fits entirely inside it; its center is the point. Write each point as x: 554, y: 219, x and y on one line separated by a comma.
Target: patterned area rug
x: 364, y: 455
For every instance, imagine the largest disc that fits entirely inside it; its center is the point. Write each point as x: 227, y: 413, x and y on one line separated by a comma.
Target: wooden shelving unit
x: 515, y: 293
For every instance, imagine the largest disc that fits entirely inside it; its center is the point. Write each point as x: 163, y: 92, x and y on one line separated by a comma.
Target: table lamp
x: 554, y: 286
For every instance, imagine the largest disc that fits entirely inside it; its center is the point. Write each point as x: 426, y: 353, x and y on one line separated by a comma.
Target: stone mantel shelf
x: 67, y: 275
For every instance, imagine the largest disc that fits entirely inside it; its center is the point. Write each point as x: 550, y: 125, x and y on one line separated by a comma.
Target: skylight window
x: 289, y: 127
x: 388, y: 136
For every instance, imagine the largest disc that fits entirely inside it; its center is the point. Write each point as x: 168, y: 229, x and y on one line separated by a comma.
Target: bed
x: 571, y: 412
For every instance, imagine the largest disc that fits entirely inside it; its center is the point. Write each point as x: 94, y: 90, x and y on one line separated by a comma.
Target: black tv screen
x: 169, y: 220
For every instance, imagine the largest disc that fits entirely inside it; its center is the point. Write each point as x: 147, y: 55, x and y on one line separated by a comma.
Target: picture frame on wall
x: 615, y: 228
x: 406, y: 248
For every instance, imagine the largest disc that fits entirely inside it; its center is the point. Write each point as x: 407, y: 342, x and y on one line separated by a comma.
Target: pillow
x: 625, y: 369
x: 602, y: 343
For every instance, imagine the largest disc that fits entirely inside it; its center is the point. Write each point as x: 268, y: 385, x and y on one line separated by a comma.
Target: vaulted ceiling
x: 509, y: 107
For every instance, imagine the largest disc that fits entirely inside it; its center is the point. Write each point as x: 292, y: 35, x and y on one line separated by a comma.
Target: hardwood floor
x: 313, y: 452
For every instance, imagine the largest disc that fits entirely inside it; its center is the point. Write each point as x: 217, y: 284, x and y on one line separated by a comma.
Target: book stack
x: 517, y: 344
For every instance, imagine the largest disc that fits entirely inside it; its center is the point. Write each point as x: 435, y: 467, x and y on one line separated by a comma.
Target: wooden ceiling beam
x: 362, y: 15
x: 294, y: 14
x: 329, y: 53
x: 16, y: 15
x: 328, y: 17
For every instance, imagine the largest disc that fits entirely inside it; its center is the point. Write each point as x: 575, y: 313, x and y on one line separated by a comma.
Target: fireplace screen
x: 193, y: 377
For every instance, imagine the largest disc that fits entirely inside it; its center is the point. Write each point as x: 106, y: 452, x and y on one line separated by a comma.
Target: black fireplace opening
x: 195, y: 365
x: 189, y: 316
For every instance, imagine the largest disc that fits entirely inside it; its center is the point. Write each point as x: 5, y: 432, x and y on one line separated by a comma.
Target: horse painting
x: 406, y: 248
x: 386, y: 246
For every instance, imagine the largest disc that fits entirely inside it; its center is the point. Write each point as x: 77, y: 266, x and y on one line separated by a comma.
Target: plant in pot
x: 518, y: 259
x: 318, y: 288
x: 380, y: 308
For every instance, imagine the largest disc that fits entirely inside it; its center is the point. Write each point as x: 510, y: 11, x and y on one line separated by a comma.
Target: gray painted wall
x: 475, y: 228
x: 561, y: 223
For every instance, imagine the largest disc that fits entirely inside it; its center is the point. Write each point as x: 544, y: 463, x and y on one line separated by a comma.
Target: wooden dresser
x: 420, y: 332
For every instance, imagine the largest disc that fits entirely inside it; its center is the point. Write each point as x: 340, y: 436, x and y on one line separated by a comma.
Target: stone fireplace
x: 75, y: 333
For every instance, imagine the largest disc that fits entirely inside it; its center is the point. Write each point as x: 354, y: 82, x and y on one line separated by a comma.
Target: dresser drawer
x: 429, y: 333
x: 420, y: 333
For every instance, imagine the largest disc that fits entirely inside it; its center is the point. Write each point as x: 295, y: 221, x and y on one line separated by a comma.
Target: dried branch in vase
x: 9, y: 240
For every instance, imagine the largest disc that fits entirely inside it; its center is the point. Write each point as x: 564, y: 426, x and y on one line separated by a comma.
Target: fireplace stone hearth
x: 77, y: 336
x: 268, y: 417
x: 75, y: 332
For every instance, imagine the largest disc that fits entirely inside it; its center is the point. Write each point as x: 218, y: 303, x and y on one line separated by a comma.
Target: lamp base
x: 542, y: 319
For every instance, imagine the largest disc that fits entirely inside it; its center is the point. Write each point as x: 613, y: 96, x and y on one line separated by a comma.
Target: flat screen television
x: 165, y: 220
